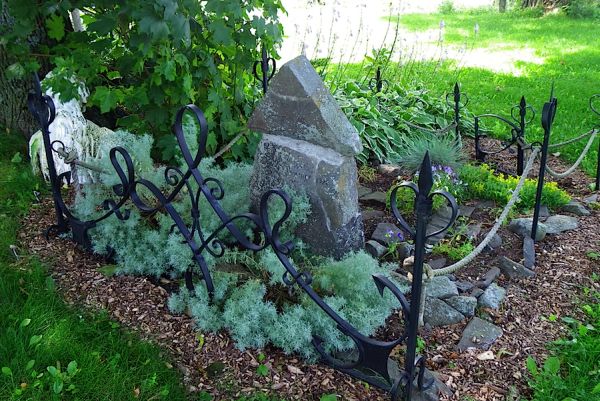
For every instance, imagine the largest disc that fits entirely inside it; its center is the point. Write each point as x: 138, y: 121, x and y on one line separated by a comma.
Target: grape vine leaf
x: 56, y: 27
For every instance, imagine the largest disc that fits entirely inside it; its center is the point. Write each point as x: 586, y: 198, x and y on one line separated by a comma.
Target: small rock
x: 492, y: 297
x: 484, y: 333
x: 377, y: 196
x: 528, y: 253
x: 386, y: 234
x: 473, y: 231
x: 476, y: 292
x: 466, y: 211
x: 559, y: 223
x: 523, y: 227
x: 464, y: 286
x: 375, y: 249
x: 372, y: 214
x: 495, y: 243
x: 441, y: 287
x: 576, y: 208
x: 514, y: 270
x: 362, y: 191
x: 439, y: 313
x: 592, y: 199
x: 544, y: 211
x: 486, y: 356
x: 437, y: 263
x: 488, y: 278
x: 389, y: 169
x: 465, y: 305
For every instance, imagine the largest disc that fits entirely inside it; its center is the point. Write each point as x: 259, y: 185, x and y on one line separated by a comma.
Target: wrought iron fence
x: 372, y: 363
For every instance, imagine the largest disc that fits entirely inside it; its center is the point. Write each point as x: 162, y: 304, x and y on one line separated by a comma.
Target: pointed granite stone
x: 299, y: 106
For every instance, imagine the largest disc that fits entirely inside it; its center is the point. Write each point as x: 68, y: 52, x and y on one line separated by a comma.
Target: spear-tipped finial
x: 425, y: 176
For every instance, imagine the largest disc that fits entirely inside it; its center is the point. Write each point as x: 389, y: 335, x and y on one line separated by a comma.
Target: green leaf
x: 262, y: 370
x: 72, y: 368
x: 17, y: 158
x: 328, y: 397
x: 261, y: 357
x: 155, y: 27
x: 6, y: 371
x: 52, y: 370
x: 552, y: 365
x: 531, y: 366
x: 113, y: 75
x: 168, y: 70
x: 25, y: 322
x: 596, y: 388
x: 30, y: 364
x: 57, y: 387
x: 56, y: 27
x: 34, y: 340
x: 221, y: 33
x: 105, y: 98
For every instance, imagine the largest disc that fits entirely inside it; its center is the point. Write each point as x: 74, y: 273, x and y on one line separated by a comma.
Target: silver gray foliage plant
x: 250, y: 298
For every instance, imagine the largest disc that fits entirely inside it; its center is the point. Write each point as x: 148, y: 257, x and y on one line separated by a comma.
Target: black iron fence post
x: 268, y: 66
x: 423, y: 208
x: 378, y: 83
x: 597, y: 112
x: 521, y: 136
x: 548, y: 113
x: 42, y: 108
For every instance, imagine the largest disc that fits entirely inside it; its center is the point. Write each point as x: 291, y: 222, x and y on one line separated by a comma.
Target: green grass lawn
x: 569, y: 48
x: 49, y: 351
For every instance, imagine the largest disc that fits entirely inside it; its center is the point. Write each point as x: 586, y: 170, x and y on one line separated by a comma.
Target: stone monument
x: 309, y: 146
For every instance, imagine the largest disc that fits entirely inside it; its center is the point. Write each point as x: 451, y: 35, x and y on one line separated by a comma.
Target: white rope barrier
x: 430, y: 273
x: 570, y: 171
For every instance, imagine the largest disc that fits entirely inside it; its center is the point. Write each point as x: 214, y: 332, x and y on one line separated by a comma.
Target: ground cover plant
x: 50, y: 351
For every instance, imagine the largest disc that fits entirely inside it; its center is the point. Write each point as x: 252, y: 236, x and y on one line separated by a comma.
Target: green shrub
x: 482, y: 183
x: 443, y: 150
x: 583, y: 8
x: 385, y: 119
x: 142, y: 60
x: 446, y: 7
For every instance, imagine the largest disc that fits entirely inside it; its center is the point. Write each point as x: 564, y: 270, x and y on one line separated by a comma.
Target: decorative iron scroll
x: 268, y: 66
x: 372, y: 363
x: 522, y: 115
x: 423, y: 205
x: 377, y: 83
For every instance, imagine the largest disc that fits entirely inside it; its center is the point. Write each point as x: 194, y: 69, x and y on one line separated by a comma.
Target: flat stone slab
x: 523, y: 227
x: 362, y: 191
x: 495, y: 243
x: 479, y: 334
x: 466, y: 211
x: 576, y: 208
x: 298, y: 105
x: 592, y: 199
x: 439, y: 313
x: 372, y: 214
x: 464, y: 286
x: 560, y: 223
x: 514, y: 270
x: 389, y: 169
x: 492, y: 297
x: 528, y: 253
x: 375, y: 249
x: 377, y: 196
x: 489, y: 277
x: 465, y: 305
x: 387, y: 234
x: 441, y: 287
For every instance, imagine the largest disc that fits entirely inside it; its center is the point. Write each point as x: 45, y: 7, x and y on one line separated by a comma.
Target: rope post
x: 424, y: 205
x: 479, y: 155
x: 522, y: 124
x: 548, y: 113
x: 598, y: 169
x: 457, y: 109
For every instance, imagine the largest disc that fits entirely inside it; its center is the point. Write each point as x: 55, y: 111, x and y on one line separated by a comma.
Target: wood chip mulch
x: 217, y: 367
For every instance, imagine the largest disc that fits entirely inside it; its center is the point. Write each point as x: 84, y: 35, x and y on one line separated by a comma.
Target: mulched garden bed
x: 211, y: 362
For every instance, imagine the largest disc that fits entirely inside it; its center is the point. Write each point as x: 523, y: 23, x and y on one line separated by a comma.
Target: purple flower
x: 400, y: 236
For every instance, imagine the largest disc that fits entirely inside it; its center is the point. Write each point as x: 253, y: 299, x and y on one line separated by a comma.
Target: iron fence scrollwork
x: 372, y: 363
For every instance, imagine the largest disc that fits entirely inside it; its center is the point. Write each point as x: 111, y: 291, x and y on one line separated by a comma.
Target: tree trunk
x: 502, y: 5
x: 14, y: 114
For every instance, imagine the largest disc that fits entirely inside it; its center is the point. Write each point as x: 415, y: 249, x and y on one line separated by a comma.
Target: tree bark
x: 14, y: 114
x: 502, y: 5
